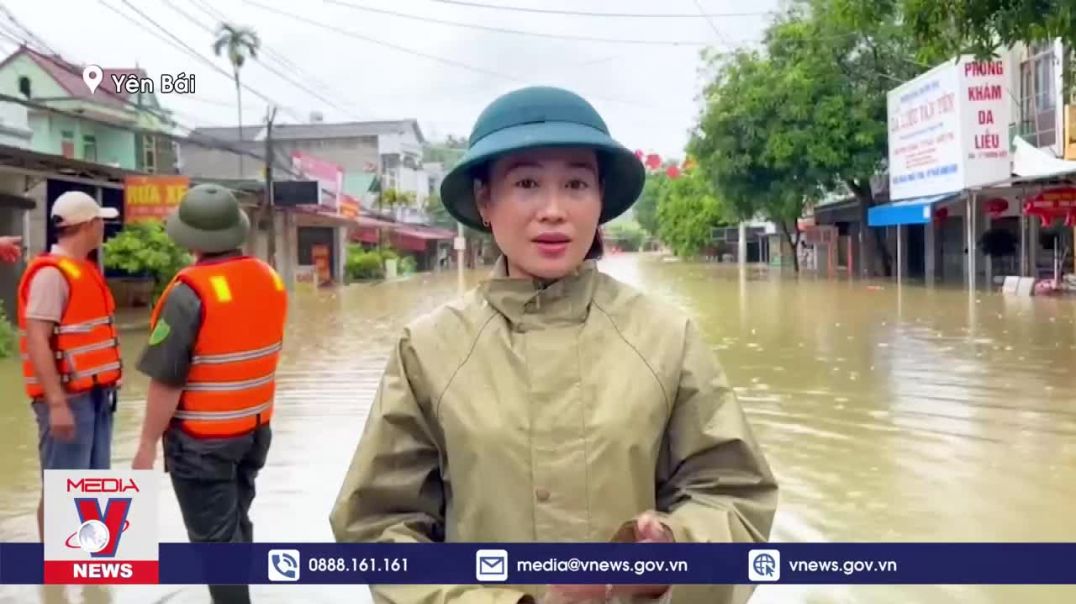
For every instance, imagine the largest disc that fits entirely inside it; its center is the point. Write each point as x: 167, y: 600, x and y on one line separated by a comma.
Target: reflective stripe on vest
x: 232, y: 377
x: 228, y: 386
x: 211, y: 359
x: 84, y: 343
x: 223, y: 415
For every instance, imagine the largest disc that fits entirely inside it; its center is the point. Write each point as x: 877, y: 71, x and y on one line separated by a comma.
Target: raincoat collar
x: 535, y: 304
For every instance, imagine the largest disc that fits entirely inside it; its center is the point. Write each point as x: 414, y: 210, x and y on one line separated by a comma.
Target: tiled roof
x: 69, y: 77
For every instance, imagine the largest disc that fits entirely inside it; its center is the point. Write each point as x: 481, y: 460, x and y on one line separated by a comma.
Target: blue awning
x: 906, y: 211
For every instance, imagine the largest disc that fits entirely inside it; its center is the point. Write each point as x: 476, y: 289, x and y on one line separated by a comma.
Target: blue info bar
x: 593, y: 563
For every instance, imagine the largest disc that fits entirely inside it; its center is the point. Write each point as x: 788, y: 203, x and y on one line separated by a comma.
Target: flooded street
x: 887, y: 415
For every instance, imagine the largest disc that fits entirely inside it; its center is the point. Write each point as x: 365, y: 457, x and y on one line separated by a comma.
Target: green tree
x: 144, y: 248
x: 807, y: 115
x: 237, y: 43
x: 646, y: 207
x: 627, y: 234
x: 688, y: 211
x: 980, y: 27
x: 8, y: 335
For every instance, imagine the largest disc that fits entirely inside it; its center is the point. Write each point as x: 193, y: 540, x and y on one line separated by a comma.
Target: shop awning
x: 918, y: 210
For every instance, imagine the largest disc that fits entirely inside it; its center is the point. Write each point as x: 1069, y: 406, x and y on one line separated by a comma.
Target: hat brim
x: 210, y: 242
x: 622, y: 173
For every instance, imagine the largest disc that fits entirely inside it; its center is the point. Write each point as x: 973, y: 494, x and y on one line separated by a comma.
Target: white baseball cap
x: 76, y: 207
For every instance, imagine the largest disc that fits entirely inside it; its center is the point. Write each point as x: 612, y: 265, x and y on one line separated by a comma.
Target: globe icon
x: 93, y: 536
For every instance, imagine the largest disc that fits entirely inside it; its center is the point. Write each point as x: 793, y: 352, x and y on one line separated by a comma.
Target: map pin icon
x: 92, y: 76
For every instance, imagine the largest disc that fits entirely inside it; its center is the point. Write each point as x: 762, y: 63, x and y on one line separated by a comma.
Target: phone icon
x: 284, y: 564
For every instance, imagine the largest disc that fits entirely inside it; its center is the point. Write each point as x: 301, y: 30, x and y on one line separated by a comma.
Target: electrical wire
x: 579, y: 13
x: 176, y: 42
x: 505, y: 30
x: 266, y: 64
x: 418, y: 53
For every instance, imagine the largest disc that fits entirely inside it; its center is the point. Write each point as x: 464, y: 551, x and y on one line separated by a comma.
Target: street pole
x: 267, y: 210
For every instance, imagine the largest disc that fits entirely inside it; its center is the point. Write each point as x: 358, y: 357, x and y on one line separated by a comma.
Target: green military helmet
x: 209, y: 220
x: 536, y: 117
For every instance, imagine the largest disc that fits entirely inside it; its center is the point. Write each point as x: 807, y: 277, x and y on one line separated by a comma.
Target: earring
x: 485, y: 223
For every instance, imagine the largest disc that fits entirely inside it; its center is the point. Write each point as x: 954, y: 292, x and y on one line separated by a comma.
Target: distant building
x: 374, y: 155
x: 104, y: 131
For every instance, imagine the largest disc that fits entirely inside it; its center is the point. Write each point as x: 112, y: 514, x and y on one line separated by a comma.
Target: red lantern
x: 673, y: 172
x: 653, y: 161
x: 941, y: 214
x: 996, y: 207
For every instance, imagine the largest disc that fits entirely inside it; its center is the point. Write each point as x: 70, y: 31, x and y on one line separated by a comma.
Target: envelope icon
x: 491, y: 565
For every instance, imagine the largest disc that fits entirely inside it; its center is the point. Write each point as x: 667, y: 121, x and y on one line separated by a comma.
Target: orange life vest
x: 232, y: 379
x: 85, y: 344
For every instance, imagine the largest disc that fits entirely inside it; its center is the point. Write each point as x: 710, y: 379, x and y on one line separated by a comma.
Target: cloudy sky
x: 350, y: 62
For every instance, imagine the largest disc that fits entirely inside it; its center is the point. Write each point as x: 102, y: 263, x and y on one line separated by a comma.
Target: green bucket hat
x: 537, y: 117
x: 208, y: 220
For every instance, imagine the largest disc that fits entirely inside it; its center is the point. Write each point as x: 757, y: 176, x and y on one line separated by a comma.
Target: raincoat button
x: 542, y: 495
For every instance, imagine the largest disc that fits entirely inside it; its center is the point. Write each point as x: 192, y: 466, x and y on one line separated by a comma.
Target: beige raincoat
x: 556, y: 414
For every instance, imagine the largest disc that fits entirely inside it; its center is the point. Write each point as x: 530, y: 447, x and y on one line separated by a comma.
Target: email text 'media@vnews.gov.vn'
x: 574, y: 565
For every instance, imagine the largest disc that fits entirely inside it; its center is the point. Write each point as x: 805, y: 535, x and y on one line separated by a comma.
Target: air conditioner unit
x: 1069, y: 146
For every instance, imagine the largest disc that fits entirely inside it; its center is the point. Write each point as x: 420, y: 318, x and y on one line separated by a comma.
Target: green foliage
x: 364, y: 265
x: 627, y: 234
x: 688, y: 210
x: 8, y: 336
x: 646, y: 207
x: 437, y: 214
x: 807, y: 115
x: 145, y: 249
x: 980, y: 27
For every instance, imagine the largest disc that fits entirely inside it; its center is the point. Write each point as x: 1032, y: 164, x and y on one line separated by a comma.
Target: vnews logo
x: 100, y: 526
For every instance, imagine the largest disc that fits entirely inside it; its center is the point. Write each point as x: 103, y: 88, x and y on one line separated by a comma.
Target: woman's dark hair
x: 597, y: 249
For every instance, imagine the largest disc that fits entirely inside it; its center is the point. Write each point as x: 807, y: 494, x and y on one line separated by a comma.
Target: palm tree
x: 239, y: 42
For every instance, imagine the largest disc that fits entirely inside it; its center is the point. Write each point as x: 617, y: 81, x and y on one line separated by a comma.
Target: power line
x: 268, y: 67
x: 176, y: 42
x: 713, y: 26
x: 33, y: 37
x: 579, y: 13
x: 201, y: 141
x: 411, y: 51
x: 268, y: 54
x: 520, y: 32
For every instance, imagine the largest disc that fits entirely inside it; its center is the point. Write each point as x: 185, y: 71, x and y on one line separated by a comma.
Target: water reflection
x: 889, y: 414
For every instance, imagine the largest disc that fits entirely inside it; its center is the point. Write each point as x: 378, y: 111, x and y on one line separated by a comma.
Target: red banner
x: 1052, y: 204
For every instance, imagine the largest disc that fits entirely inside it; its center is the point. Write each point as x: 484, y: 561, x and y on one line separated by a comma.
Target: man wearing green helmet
x: 553, y: 403
x: 216, y: 337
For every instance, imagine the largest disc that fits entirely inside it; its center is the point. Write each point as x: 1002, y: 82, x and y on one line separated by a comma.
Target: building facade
x: 99, y: 127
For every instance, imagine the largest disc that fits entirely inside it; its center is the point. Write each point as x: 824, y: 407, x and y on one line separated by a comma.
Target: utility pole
x: 267, y: 210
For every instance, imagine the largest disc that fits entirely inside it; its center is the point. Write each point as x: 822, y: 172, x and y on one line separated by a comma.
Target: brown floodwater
x: 888, y: 414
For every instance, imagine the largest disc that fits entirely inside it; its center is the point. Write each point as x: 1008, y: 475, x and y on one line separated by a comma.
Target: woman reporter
x: 552, y: 403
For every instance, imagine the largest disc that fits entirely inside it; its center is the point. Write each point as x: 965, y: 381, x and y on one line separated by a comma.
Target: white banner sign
x: 949, y: 129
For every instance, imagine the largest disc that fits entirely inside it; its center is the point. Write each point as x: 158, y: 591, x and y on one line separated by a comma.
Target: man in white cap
x: 71, y: 356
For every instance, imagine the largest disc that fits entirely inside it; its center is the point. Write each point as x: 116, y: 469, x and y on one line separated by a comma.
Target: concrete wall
x: 14, y: 125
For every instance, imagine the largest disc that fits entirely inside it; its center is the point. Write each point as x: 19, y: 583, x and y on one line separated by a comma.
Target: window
x: 67, y: 144
x: 1038, y: 95
x: 89, y: 147
x: 149, y: 153
x: 24, y: 86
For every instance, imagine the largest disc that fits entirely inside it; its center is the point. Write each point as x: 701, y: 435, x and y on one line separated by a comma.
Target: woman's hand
x: 648, y: 529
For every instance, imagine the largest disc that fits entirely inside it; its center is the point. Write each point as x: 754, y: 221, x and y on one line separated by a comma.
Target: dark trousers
x: 214, y: 483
